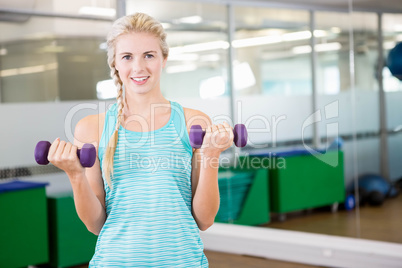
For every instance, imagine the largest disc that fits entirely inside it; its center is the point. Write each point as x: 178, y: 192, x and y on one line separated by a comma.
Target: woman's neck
x: 143, y: 104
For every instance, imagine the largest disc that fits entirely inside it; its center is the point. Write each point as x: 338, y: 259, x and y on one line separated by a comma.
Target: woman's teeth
x: 139, y: 79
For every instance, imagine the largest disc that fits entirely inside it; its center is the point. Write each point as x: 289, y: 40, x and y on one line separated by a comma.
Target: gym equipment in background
x: 350, y: 202
x: 86, y: 154
x: 197, y: 136
x: 394, y: 61
x: 373, y: 189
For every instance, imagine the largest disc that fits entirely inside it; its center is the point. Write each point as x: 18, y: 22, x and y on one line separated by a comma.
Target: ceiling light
x: 272, y: 39
x: 301, y: 50
x: 183, y: 57
x: 200, y: 47
x: 29, y: 70
x: 32, y: 69
x: 97, y: 11
x: 190, y: 20
x: 181, y: 68
x: 328, y: 47
x: 336, y: 30
x: 296, y: 36
x: 319, y: 33
x: 318, y: 48
x: 210, y: 57
x: 9, y: 72
x: 247, y: 42
x: 256, y: 41
x: 52, y: 49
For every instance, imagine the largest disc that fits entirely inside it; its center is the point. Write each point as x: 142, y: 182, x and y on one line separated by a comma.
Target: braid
x: 120, y: 99
x: 111, y: 147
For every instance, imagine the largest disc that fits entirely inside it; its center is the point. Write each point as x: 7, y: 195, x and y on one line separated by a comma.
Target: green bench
x: 70, y: 243
x: 23, y: 224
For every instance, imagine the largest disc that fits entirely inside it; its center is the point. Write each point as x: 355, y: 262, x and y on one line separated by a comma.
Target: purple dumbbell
x: 197, y: 136
x: 86, y: 154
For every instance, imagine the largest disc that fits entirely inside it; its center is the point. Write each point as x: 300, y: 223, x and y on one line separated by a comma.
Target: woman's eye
x: 149, y: 56
x: 127, y: 57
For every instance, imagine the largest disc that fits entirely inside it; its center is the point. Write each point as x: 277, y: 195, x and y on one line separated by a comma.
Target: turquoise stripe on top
x: 149, y: 221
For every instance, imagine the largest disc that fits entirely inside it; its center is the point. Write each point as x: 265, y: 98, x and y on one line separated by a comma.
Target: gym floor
x: 381, y: 223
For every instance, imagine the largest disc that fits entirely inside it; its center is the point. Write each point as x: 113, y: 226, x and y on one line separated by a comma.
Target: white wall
x: 24, y: 124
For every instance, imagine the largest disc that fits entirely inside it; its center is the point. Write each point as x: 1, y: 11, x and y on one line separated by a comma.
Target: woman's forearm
x: 206, y: 198
x: 88, y: 207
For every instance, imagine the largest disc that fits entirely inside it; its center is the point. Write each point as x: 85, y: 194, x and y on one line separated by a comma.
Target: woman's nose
x: 137, y: 65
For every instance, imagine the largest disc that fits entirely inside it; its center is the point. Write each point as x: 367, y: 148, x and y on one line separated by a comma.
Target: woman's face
x: 139, y: 61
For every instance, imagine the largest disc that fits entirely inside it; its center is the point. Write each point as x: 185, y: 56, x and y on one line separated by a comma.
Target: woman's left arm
x: 205, y: 167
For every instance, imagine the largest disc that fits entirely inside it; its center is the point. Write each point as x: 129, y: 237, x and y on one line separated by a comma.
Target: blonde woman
x: 149, y: 193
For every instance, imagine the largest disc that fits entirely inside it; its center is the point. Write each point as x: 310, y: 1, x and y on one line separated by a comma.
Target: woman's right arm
x: 87, y: 183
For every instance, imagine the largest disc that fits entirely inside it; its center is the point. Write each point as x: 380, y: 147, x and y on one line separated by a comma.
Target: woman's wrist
x: 210, y: 160
x: 76, y: 176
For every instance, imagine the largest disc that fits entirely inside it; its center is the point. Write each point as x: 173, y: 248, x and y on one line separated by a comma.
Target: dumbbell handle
x: 87, y: 154
x: 197, y: 135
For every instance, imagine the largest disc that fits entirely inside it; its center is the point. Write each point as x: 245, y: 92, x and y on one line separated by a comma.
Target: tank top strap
x: 109, y: 126
x: 179, y: 121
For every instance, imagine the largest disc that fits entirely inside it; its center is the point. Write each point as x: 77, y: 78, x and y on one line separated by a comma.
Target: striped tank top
x: 149, y: 221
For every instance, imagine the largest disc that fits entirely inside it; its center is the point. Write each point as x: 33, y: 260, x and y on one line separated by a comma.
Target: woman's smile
x: 140, y: 80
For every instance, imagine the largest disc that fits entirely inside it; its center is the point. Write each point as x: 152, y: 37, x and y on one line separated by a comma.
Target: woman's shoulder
x: 89, y: 129
x: 196, y: 117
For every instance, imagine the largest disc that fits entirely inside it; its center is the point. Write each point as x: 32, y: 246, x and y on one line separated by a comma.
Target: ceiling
x: 392, y: 6
x: 293, y: 16
x: 389, y: 6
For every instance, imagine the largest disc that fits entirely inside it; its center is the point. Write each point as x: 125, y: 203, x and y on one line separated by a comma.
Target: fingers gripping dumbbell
x: 86, y: 154
x: 197, y: 136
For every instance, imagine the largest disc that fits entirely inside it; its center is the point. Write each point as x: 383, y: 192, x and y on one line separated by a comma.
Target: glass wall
x: 270, y: 74
x: 356, y: 95
x: 52, y: 58
x: 275, y: 69
x: 392, y: 32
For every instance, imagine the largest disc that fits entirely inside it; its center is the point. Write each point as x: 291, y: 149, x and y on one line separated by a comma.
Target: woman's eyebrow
x: 146, y: 52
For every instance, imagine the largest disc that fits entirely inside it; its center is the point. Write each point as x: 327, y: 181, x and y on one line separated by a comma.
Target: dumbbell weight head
x: 41, y: 152
x: 196, y: 136
x: 87, y: 155
x: 240, y: 135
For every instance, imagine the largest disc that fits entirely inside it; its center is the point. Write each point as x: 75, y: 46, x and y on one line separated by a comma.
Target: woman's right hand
x: 64, y: 156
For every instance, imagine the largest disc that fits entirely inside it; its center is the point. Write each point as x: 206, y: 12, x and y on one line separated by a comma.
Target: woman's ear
x: 164, y: 62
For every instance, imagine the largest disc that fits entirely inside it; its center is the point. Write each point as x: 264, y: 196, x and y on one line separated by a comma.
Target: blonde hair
x: 136, y: 23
